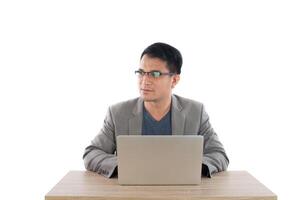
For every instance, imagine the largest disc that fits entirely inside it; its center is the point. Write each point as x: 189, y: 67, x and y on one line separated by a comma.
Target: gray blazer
x: 188, y: 117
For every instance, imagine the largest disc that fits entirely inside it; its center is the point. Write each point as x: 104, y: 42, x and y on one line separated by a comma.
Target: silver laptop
x: 159, y: 160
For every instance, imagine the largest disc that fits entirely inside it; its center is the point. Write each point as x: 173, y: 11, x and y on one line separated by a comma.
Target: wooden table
x: 224, y: 185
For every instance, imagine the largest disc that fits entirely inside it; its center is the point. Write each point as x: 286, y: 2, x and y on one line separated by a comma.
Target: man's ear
x: 175, y: 80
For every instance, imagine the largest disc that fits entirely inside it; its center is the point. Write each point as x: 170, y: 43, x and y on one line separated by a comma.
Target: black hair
x: 167, y: 53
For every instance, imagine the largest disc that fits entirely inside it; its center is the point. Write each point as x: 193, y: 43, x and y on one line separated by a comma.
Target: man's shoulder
x: 192, y: 109
x: 124, y: 106
x: 185, y: 102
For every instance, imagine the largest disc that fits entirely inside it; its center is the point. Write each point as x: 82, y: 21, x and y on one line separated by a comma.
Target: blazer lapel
x: 178, y: 118
x: 135, y: 122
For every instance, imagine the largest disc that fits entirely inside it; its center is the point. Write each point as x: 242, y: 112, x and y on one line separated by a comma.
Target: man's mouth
x: 146, y: 90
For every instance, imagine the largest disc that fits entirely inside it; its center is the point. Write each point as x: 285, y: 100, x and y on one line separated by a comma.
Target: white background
x: 62, y: 63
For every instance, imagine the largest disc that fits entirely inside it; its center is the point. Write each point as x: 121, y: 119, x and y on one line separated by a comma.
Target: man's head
x: 166, y: 53
x: 163, y: 64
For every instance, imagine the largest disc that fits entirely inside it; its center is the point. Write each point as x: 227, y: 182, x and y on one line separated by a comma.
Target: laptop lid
x: 159, y: 159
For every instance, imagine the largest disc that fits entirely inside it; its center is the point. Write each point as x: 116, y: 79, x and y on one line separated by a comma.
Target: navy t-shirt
x: 152, y: 127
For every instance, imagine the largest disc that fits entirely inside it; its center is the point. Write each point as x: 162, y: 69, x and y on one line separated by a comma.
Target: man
x: 156, y: 111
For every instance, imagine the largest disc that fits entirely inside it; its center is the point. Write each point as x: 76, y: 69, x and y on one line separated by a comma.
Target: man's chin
x: 147, y: 99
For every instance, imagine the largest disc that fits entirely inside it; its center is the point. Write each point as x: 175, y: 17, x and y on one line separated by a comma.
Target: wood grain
x: 229, y: 185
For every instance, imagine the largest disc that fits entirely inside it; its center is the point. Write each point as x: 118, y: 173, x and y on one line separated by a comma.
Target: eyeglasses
x: 155, y: 74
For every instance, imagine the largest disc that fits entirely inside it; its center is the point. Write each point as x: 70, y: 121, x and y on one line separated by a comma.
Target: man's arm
x: 214, y: 158
x: 99, y: 156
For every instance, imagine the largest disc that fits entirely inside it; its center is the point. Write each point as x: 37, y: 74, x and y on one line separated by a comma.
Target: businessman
x: 155, y: 111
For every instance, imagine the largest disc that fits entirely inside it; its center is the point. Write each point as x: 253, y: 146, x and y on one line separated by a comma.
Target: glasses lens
x: 155, y: 74
x: 139, y: 73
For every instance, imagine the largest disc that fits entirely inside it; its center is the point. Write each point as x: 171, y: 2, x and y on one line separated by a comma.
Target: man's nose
x: 146, y: 80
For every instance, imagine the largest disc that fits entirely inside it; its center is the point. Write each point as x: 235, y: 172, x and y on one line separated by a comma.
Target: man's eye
x: 155, y: 74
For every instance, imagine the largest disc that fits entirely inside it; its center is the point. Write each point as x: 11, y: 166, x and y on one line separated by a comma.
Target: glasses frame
x: 154, y: 73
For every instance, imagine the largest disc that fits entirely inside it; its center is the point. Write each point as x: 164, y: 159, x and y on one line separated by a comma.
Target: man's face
x: 155, y: 89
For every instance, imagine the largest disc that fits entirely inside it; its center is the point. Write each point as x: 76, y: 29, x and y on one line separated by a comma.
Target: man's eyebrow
x: 150, y: 70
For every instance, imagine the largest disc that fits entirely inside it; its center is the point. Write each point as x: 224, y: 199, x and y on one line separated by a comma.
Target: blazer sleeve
x: 214, y: 158
x: 99, y: 156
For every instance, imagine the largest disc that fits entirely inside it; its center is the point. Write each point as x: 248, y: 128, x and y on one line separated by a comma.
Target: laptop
x: 159, y: 159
